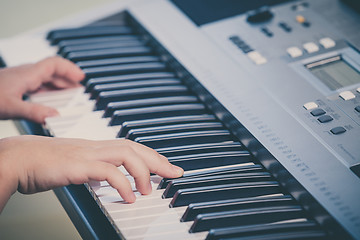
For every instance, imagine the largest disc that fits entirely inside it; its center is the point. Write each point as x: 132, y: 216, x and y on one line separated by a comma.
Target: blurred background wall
x: 37, y: 216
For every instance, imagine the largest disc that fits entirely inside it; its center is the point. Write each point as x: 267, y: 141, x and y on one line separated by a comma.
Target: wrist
x: 8, y: 177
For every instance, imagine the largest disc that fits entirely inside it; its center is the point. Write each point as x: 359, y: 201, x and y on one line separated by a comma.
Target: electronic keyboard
x: 258, y: 101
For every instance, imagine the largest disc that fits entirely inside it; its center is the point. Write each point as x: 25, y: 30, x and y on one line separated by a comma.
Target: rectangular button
x: 311, y: 47
x: 347, y: 95
x: 327, y: 42
x: 310, y: 105
x: 294, y: 52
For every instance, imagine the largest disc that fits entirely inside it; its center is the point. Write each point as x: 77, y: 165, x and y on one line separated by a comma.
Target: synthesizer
x: 258, y: 101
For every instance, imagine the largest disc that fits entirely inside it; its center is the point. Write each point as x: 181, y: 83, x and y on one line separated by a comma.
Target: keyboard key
x: 200, y: 148
x: 195, y: 209
x: 91, y: 83
x: 178, y: 139
x: 141, y: 132
x: 115, y: 61
x: 127, y: 125
x: 185, y: 197
x: 84, y: 41
x: 133, y: 84
x: 121, y: 116
x: 87, y: 32
x: 138, y: 93
x: 101, y: 45
x: 207, y: 221
x: 261, y: 229
x: 214, y: 172
x: 109, y: 53
x: 149, y: 102
x: 210, y: 160
x: 182, y: 183
x: 92, y: 72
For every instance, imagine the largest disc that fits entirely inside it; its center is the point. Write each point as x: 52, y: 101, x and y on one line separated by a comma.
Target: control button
x: 285, y: 27
x: 310, y: 105
x: 302, y: 20
x: 337, y: 130
x: 317, y: 112
x: 300, y: 6
x: 262, y: 14
x: 241, y: 44
x: 256, y: 57
x: 294, y: 52
x: 325, y: 118
x: 357, y: 108
x: 327, y: 42
x: 311, y: 47
x: 267, y: 32
x: 347, y: 95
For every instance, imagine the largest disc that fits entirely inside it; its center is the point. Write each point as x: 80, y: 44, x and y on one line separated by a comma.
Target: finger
x: 60, y: 83
x: 101, y: 171
x: 156, y: 162
x: 32, y: 111
x: 60, y: 67
x: 126, y: 156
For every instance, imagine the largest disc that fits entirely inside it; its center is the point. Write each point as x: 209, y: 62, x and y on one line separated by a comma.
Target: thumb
x: 34, y: 112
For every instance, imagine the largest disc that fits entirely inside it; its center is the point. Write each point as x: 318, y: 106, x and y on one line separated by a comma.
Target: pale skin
x: 30, y: 164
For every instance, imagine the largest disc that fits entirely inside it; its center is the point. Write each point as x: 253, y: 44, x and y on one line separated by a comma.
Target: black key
x: 207, y: 221
x: 87, y: 32
x: 222, y: 192
x: 178, y: 139
x: 298, y: 235
x: 210, y: 160
x: 126, y: 126
x: 64, y: 51
x: 121, y: 116
x: 181, y: 183
x: 195, y: 209
x: 141, y: 132
x: 133, y: 84
x: 214, y: 172
x: 92, y: 72
x: 115, y: 61
x: 138, y: 93
x: 124, y: 78
x: 113, y: 106
x: 84, y: 41
x: 109, y: 53
x: 200, y: 148
x: 260, y: 229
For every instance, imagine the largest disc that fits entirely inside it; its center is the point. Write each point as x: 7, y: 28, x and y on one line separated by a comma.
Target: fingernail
x: 52, y: 113
x: 132, y: 198
x: 178, y: 170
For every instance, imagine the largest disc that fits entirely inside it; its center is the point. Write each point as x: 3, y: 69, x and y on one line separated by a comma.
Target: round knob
x: 262, y: 14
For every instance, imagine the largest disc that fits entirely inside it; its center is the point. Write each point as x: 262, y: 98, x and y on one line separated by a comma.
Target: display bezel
x: 350, y: 56
x: 341, y: 67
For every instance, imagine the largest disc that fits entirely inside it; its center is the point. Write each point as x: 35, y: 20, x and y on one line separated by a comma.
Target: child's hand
x: 54, y: 72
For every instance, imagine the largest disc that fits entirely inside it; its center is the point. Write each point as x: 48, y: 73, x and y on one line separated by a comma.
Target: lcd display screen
x: 334, y: 72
